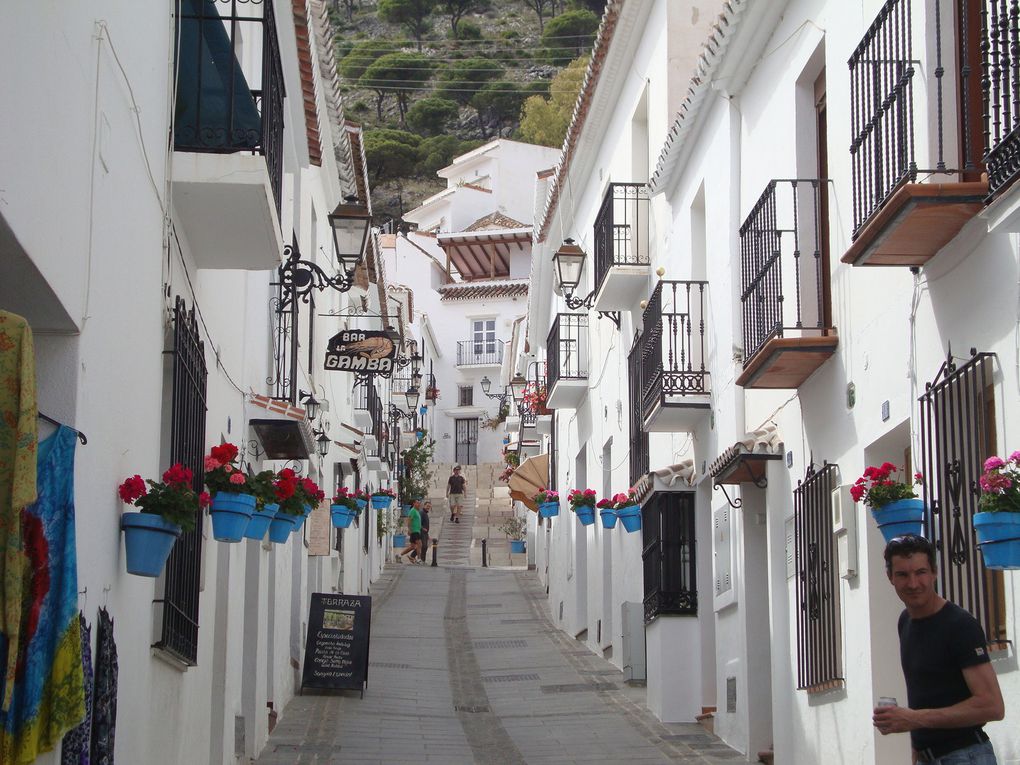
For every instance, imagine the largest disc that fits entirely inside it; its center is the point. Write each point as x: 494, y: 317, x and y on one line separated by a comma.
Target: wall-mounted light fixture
x: 311, y: 404
x: 569, y: 261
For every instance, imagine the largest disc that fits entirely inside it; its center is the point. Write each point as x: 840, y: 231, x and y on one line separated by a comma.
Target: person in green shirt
x: 414, y: 527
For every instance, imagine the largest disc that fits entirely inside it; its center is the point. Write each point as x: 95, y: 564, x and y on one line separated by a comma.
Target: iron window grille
x: 669, y: 555
x: 883, y: 153
x: 640, y: 458
x: 181, y: 580
x: 621, y: 229
x: 567, y: 346
x: 465, y: 395
x: 218, y: 111
x: 957, y: 435
x: 783, y: 280
x: 379, y: 429
x: 819, y: 646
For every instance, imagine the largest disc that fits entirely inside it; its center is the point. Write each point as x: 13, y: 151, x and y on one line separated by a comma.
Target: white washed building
x: 145, y: 240
x: 759, y: 351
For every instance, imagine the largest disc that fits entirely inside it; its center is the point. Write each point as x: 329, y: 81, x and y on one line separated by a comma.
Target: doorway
x: 467, y: 441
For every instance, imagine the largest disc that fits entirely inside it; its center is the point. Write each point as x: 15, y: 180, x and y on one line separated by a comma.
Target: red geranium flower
x: 132, y: 489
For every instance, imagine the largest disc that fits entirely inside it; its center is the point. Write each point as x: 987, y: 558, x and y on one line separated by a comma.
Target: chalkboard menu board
x: 336, y: 652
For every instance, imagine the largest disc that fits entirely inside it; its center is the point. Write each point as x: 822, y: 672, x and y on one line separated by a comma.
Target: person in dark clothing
x: 426, y: 506
x: 952, y: 690
x: 456, y: 487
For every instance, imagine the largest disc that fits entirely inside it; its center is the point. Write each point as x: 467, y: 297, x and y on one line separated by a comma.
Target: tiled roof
x: 665, y: 478
x: 304, y: 49
x: 495, y: 220
x: 476, y: 291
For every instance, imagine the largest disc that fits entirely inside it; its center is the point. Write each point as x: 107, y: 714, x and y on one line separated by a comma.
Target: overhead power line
x: 456, y: 44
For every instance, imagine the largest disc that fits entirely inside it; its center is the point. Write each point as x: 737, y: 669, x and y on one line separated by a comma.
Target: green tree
x: 462, y: 79
x: 568, y: 36
x: 390, y: 153
x: 498, y: 102
x: 437, y: 152
x: 595, y: 6
x: 458, y: 9
x: 398, y: 73
x: 540, y: 7
x: 362, y: 56
x: 413, y: 15
x: 545, y: 120
x: 431, y: 115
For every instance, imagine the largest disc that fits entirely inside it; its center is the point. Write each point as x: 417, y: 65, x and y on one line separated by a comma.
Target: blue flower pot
x: 399, y: 541
x: 341, y: 516
x: 904, y: 516
x: 381, y: 501
x: 259, y: 523
x: 999, y: 539
x: 405, y: 510
x: 361, y: 503
x: 419, y: 435
x: 608, y: 516
x: 230, y: 515
x: 148, y: 540
x: 301, y: 518
x: 630, y: 517
x: 549, y: 509
x: 517, y: 546
x: 585, y: 514
x: 281, y: 526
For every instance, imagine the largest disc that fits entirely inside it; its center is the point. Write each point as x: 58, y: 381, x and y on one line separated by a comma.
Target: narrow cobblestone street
x: 466, y: 668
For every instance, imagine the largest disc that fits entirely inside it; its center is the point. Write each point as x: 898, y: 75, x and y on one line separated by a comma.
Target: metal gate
x: 467, y: 442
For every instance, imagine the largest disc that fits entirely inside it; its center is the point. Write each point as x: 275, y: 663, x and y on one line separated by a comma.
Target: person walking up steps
x: 414, y: 528
x: 456, y: 486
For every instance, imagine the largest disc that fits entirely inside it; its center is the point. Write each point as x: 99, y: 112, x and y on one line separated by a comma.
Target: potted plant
x: 607, y: 513
x: 515, y: 529
x: 535, y: 397
x: 361, y: 498
x: 291, y: 496
x: 266, y: 507
x: 894, y: 505
x: 343, y: 509
x: 513, y: 459
x: 311, y: 497
x: 168, y: 508
x: 233, y: 501
x: 432, y: 394
x: 381, y: 498
x: 583, y: 505
x: 548, y: 502
x: 998, y: 524
x: 628, y: 510
x: 493, y: 423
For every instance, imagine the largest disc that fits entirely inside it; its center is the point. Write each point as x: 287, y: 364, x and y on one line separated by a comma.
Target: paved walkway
x: 466, y: 668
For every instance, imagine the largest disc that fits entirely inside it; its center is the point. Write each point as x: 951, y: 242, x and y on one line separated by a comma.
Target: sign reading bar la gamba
x: 361, y: 350
x: 336, y: 652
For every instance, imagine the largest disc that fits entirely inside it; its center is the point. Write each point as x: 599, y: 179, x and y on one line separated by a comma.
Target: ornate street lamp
x: 569, y: 261
x: 411, y: 394
x: 312, y: 406
x: 517, y: 387
x: 350, y: 222
x: 322, y: 443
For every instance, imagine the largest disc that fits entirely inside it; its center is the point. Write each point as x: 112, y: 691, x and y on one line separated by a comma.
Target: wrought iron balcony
x: 899, y: 220
x: 567, y: 362
x: 1000, y: 66
x: 621, y: 247
x: 480, y: 353
x: 667, y: 363
x: 787, y: 329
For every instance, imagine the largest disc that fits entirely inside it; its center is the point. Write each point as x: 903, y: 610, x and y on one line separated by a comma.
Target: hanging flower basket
x: 585, y: 514
x: 148, y: 540
x: 260, y: 520
x: 630, y: 517
x: 281, y: 526
x: 230, y: 514
x: 342, y: 515
x: 381, y: 501
x: 549, y: 509
x: 518, y: 546
x: 999, y: 539
x: 904, y: 516
x: 608, y: 517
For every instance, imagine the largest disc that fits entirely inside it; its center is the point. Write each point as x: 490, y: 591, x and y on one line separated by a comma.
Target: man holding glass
x: 952, y: 690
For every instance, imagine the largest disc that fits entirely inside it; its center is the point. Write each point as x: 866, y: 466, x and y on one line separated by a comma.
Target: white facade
x: 135, y: 225
x: 771, y: 94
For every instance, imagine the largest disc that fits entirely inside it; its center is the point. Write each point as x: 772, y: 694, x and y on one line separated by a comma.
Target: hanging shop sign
x: 360, y: 350
x: 336, y: 651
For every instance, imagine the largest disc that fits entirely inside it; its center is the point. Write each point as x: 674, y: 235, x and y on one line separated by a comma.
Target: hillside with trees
x: 431, y: 79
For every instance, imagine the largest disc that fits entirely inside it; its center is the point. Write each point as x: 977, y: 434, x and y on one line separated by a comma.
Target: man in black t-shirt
x: 952, y: 689
x: 456, y: 487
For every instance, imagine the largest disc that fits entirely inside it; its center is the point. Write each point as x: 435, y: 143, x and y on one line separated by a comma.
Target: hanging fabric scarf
x: 75, y: 748
x: 104, y: 700
x: 18, y: 438
x: 48, y: 696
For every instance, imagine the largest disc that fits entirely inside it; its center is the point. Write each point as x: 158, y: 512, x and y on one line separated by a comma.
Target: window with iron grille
x: 465, y: 395
x: 181, y: 579
x: 639, y: 442
x: 957, y: 435
x: 819, y: 646
x: 668, y: 555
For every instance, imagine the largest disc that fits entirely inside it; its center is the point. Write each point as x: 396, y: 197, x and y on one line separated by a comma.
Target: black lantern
x: 517, y: 388
x: 486, y: 384
x: 322, y: 444
x: 411, y: 394
x: 350, y: 222
x: 569, y: 260
x: 312, y: 406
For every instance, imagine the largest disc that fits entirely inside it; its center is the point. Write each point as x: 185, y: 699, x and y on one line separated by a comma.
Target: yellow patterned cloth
x: 19, y: 438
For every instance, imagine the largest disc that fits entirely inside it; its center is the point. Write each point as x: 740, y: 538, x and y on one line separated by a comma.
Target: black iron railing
x: 479, y: 352
x: 379, y: 429
x: 673, y: 342
x: 218, y: 108
x: 536, y: 394
x: 669, y: 555
x: 819, y: 651
x: 882, y: 72
x: 783, y: 275
x: 359, y: 394
x: 621, y: 229
x: 640, y: 458
x: 567, y: 348
x: 182, y: 578
x: 1000, y: 84
x: 957, y: 436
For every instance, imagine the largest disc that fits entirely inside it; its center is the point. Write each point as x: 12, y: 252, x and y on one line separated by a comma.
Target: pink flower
x: 1015, y: 458
x: 211, y: 463
x: 228, y: 468
x: 994, y: 463
x: 237, y: 479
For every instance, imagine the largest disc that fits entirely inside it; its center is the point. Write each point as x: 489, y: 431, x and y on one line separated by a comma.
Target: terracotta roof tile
x: 506, y: 289
x: 307, y: 81
x: 495, y: 220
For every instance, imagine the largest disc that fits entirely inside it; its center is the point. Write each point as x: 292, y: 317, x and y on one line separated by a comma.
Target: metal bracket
x: 735, y: 504
x: 613, y: 316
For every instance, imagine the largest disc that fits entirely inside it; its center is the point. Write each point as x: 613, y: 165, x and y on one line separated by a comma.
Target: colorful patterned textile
x: 75, y: 748
x: 48, y: 697
x: 104, y: 700
x: 18, y: 439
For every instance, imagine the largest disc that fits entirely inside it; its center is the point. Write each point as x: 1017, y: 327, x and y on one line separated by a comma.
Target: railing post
x: 485, y: 559
x: 435, y: 547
